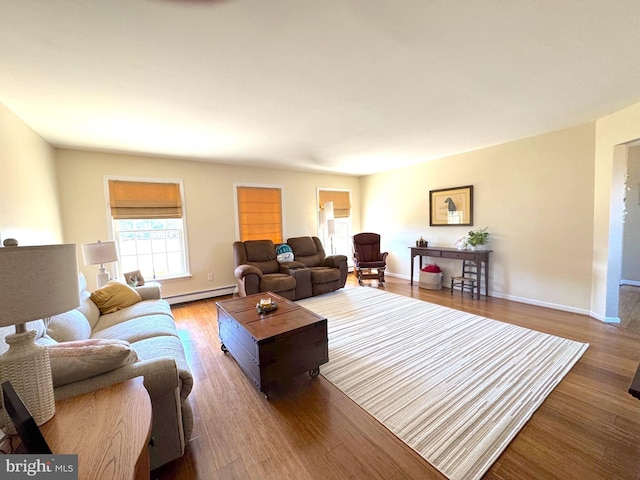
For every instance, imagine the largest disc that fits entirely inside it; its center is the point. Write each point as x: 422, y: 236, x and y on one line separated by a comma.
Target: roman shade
x: 144, y: 200
x: 260, y: 213
x: 341, y: 202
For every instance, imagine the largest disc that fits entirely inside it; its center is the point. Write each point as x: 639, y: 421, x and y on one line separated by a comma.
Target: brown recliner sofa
x: 258, y: 270
x: 328, y: 273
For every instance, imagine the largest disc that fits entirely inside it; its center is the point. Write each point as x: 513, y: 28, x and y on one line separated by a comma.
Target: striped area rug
x: 455, y: 387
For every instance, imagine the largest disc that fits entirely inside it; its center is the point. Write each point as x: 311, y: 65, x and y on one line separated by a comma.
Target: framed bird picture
x: 451, y: 206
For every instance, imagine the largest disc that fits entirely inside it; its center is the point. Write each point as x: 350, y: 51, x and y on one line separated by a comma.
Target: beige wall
x: 29, y: 208
x: 209, y: 201
x: 534, y: 194
x: 631, y: 239
x: 612, y: 133
x: 545, y: 254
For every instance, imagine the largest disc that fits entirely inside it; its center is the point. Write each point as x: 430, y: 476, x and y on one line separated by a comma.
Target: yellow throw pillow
x: 115, y: 296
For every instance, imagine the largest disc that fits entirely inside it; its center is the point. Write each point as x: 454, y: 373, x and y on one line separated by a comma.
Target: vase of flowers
x: 462, y: 243
x: 477, y: 239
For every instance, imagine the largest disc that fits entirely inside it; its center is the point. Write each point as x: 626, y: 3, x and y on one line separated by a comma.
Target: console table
x: 479, y: 257
x: 109, y: 429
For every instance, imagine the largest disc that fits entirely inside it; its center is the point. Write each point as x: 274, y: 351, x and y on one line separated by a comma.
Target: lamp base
x: 26, y: 365
x: 102, y: 277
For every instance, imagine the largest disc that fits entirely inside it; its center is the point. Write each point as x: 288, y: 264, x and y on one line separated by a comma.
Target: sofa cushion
x: 89, y: 309
x: 115, y: 296
x: 277, y: 282
x: 140, y: 309
x: 69, y: 326
x: 262, y: 254
x: 308, y: 250
x: 260, y: 250
x: 324, y: 275
x: 75, y: 361
x: 138, y: 329
x: 302, y: 246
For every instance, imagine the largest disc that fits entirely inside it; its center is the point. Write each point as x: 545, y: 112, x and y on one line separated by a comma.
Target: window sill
x: 171, y: 279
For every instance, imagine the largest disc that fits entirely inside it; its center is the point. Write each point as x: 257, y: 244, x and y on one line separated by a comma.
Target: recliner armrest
x: 242, y: 271
x: 335, y: 260
x: 286, y: 267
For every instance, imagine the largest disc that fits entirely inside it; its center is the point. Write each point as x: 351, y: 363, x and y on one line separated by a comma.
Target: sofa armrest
x: 339, y: 262
x: 150, y: 291
x: 242, y: 271
x: 160, y: 376
x: 335, y: 260
x: 286, y: 267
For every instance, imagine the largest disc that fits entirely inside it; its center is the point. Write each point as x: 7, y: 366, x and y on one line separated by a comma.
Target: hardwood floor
x: 588, y: 428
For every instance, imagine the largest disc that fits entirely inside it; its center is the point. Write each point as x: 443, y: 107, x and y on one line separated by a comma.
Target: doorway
x: 629, y: 295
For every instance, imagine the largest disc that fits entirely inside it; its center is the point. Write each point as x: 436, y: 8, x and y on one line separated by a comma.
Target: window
x: 335, y: 233
x: 259, y: 213
x: 148, y: 226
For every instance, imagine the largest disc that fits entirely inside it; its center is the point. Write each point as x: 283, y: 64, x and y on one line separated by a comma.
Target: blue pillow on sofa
x: 284, y: 253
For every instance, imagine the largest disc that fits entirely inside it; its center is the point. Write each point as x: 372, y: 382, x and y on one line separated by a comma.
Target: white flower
x: 462, y: 242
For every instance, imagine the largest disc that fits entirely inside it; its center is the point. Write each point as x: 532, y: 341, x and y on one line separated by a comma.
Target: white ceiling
x: 350, y: 86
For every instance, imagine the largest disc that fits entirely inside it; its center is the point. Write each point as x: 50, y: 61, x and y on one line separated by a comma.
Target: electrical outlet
x: 210, y: 277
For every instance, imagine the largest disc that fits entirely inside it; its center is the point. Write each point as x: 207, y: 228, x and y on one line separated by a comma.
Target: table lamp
x: 100, y: 253
x: 36, y: 282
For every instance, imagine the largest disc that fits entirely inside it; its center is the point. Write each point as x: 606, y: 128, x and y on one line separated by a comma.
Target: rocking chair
x: 369, y: 262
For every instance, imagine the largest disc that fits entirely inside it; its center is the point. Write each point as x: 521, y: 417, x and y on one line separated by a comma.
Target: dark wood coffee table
x: 272, y: 347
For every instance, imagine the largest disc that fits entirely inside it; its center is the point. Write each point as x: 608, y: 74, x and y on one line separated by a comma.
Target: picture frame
x: 28, y: 431
x: 451, y: 206
x: 134, y: 279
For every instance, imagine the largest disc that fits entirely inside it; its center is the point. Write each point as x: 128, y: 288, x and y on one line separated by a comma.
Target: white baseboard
x: 612, y: 320
x: 539, y: 303
x: 530, y: 301
x: 201, y: 295
x: 633, y: 283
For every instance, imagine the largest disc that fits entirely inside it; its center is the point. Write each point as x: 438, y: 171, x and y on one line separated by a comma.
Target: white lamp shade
x: 37, y: 282
x: 99, y: 252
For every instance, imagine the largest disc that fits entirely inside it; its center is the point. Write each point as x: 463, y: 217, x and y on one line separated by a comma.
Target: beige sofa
x: 156, y: 354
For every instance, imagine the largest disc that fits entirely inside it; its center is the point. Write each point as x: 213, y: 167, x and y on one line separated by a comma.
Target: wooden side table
x: 109, y: 429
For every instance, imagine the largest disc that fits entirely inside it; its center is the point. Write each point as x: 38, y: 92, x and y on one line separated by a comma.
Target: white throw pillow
x: 75, y: 361
x: 284, y: 253
x: 69, y: 326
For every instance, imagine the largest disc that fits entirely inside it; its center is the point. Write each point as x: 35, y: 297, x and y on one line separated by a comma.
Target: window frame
x: 185, y: 238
